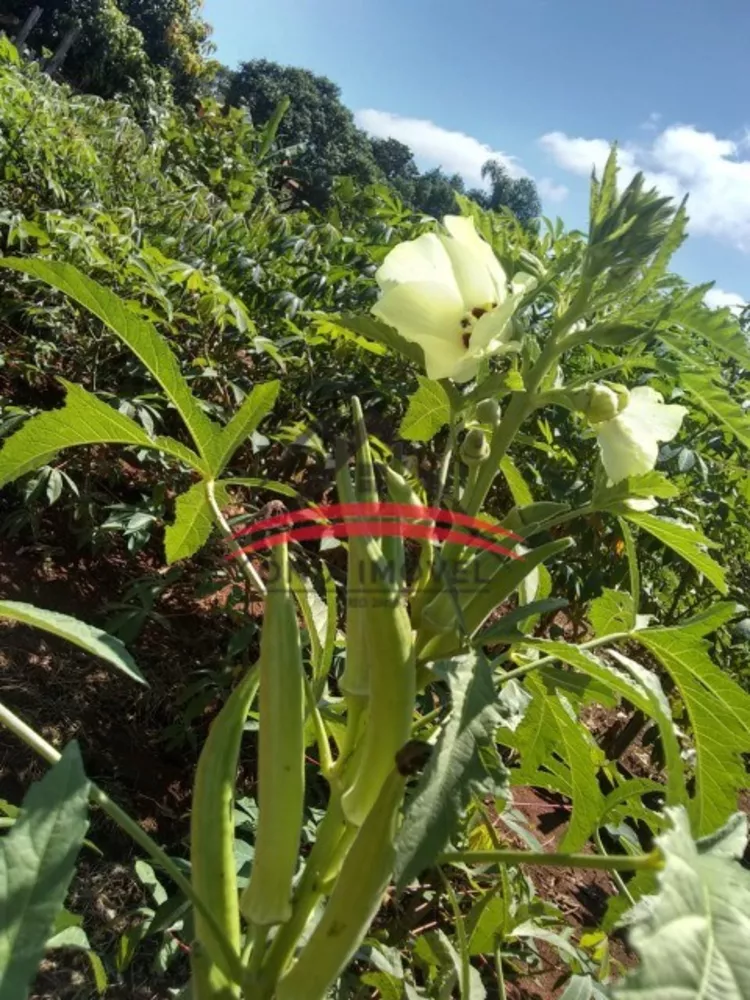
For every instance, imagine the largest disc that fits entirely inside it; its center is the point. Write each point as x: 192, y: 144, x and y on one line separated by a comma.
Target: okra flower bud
x: 488, y: 412
x: 475, y: 447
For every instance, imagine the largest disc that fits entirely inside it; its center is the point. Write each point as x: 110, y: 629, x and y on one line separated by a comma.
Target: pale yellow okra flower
x: 629, y: 426
x: 448, y: 293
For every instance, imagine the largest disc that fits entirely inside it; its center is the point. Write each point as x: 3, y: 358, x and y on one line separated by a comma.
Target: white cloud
x: 550, y: 191
x: 680, y: 159
x: 434, y: 146
x: 717, y: 298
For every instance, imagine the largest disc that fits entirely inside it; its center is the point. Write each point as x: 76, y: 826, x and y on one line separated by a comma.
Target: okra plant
x: 453, y: 691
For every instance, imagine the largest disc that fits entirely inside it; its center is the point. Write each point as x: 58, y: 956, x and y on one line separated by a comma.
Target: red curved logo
x: 381, y: 519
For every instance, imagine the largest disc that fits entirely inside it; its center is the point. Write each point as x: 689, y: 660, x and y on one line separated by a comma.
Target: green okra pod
x: 354, y: 901
x: 354, y: 682
x: 212, y: 840
x: 379, y: 681
x: 281, y: 755
x: 388, y: 645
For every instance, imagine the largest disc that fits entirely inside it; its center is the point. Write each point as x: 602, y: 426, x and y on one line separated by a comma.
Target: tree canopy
x: 318, y: 131
x: 143, y: 48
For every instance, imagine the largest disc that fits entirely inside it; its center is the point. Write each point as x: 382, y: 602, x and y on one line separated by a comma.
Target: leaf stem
x: 321, y: 737
x: 616, y: 877
x: 230, y: 959
x: 546, y: 660
x: 248, y: 570
x: 608, y: 862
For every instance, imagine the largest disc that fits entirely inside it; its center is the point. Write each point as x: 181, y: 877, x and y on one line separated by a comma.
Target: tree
x: 434, y: 192
x: 518, y: 194
x: 133, y: 47
x: 175, y: 37
x: 328, y: 143
x: 394, y: 158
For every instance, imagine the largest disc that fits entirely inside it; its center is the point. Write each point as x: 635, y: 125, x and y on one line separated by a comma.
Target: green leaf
x: 254, y: 408
x: 84, y: 419
x: 673, y: 240
x: 692, y: 936
x: 718, y: 326
x: 557, y: 752
x: 320, y: 621
x: 506, y: 630
x: 652, y: 484
x: 37, y: 863
x: 686, y: 542
x: 193, y: 521
x: 604, y: 193
x: 481, y: 586
x: 455, y: 768
x: 633, y: 571
x: 92, y: 639
x: 612, y: 611
x: 140, y: 336
x: 477, y: 604
x: 8, y: 51
x: 719, y: 712
x: 713, y: 618
x: 522, y: 495
x: 265, y: 484
x: 575, y: 745
x: 428, y: 411
x: 641, y: 688
x: 719, y: 404
x: 387, y: 986
x: 581, y: 988
x: 374, y: 329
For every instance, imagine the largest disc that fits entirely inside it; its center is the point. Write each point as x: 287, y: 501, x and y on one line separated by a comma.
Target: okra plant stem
x: 231, y: 960
x: 328, y: 850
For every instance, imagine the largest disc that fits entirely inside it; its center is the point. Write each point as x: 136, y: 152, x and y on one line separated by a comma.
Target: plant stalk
x: 246, y: 567
x: 609, y: 862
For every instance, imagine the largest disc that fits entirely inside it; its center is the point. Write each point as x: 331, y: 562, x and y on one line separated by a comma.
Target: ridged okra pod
x: 281, y: 762
x: 354, y: 901
x: 354, y: 681
x: 379, y: 681
x: 212, y: 841
x: 388, y: 645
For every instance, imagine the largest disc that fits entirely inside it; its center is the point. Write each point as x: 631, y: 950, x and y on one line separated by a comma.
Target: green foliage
x: 139, y: 336
x: 688, y: 542
x: 317, y: 121
x: 427, y: 413
x: 692, y: 935
x: 93, y: 640
x: 143, y: 49
x: 719, y: 714
x: 192, y: 523
x: 37, y: 861
x: 461, y: 765
x: 517, y: 194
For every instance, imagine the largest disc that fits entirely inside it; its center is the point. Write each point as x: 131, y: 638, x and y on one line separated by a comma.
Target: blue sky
x: 547, y: 84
